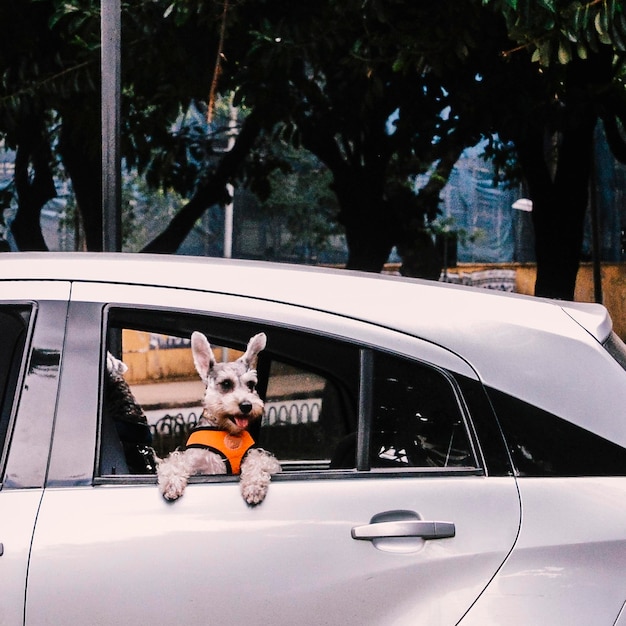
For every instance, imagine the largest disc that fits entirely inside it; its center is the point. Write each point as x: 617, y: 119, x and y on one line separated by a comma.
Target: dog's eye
x: 226, y: 385
x: 251, y: 385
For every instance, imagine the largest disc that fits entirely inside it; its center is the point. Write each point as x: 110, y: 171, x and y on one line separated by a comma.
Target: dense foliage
x: 379, y: 91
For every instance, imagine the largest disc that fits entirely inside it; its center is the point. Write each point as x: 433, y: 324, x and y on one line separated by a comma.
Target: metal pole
x: 229, y: 209
x: 228, y: 223
x: 596, y: 235
x: 110, y: 31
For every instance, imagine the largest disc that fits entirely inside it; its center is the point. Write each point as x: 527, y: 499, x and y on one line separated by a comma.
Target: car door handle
x: 404, y: 528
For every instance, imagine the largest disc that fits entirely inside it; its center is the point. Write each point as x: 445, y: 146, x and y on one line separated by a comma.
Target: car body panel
x: 18, y: 512
x: 621, y: 619
x: 31, y: 290
x: 31, y: 424
x: 552, y: 577
x: 304, y: 521
x: 290, y: 560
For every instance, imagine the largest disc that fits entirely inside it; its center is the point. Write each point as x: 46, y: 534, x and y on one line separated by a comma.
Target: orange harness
x: 230, y: 447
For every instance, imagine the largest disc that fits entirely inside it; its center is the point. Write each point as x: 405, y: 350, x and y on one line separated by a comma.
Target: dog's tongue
x: 242, y: 422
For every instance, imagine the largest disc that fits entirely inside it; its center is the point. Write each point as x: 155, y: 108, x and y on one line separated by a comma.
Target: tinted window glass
x: 417, y: 421
x: 616, y: 348
x: 488, y: 431
x: 542, y: 444
x: 307, y: 414
x: 13, y: 331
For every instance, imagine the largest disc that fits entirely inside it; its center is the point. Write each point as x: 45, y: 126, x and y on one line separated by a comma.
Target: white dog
x: 221, y: 444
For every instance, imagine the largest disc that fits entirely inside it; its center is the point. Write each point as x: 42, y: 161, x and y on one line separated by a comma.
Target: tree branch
x: 209, y: 193
x: 33, y: 151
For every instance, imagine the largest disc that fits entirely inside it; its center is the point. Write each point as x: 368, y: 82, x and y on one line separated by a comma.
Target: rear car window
x: 542, y: 444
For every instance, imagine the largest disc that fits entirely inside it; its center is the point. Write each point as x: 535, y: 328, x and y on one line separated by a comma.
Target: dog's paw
x: 254, y: 493
x: 171, y: 483
x: 256, y: 473
x: 173, y: 488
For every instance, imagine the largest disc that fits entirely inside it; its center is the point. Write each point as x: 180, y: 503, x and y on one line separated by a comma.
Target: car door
x: 32, y: 317
x: 380, y: 537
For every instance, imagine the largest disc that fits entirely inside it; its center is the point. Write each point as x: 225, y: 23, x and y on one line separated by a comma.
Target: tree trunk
x: 84, y: 168
x: 170, y: 239
x: 33, y: 192
x: 368, y: 250
x: 365, y: 216
x: 212, y: 192
x: 420, y: 257
x: 559, y: 202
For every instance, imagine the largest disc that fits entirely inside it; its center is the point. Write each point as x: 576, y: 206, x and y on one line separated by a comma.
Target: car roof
x: 383, y: 299
x: 537, y: 349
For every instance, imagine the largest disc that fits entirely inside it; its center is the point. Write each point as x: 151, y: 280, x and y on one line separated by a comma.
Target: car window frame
x: 99, y: 298
x: 12, y: 383
x: 26, y: 457
x: 464, y: 413
x: 364, y: 402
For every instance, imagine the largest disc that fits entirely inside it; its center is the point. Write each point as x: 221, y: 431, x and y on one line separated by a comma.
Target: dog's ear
x: 203, y: 357
x: 115, y: 366
x: 255, y: 345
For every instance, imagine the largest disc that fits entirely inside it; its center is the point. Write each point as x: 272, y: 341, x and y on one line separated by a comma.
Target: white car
x: 449, y: 455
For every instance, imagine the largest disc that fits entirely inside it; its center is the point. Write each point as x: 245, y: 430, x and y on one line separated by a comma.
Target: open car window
x: 310, y: 386
x: 308, y: 383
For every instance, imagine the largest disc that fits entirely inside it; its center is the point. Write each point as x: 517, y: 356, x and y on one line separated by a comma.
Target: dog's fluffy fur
x: 131, y: 424
x: 231, y: 403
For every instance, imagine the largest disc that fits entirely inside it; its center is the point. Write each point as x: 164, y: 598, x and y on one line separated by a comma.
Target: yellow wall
x: 613, y: 286
x: 145, y: 365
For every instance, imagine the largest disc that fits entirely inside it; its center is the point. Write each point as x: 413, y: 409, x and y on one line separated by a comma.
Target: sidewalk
x: 169, y: 395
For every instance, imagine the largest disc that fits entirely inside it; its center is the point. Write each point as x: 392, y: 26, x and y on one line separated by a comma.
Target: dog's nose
x: 245, y: 407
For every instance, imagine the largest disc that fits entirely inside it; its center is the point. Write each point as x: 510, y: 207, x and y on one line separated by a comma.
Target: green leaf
x: 600, y: 24
x: 545, y: 52
x: 617, y: 37
x: 544, y: 4
x: 570, y: 35
x: 398, y: 65
x: 605, y: 15
x: 564, y: 53
x: 577, y: 16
